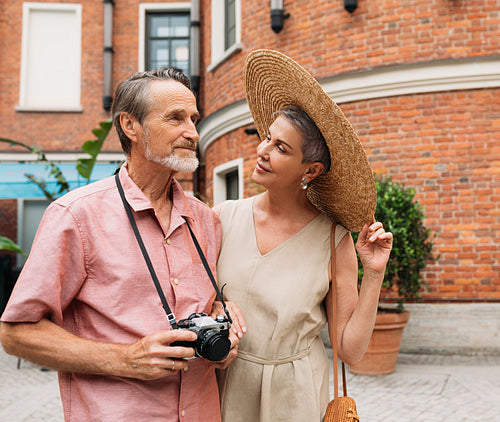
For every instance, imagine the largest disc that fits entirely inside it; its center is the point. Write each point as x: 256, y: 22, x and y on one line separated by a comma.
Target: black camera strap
x: 170, y: 314
x: 207, y: 269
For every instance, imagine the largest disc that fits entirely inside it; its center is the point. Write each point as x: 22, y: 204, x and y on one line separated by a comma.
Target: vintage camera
x: 213, y: 336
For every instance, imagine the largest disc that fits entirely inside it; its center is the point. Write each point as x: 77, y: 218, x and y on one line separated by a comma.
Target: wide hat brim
x: 346, y: 193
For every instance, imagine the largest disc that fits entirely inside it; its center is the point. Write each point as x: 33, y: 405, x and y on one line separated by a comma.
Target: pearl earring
x: 303, y: 183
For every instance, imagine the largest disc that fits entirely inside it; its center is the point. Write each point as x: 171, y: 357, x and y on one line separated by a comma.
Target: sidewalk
x: 428, y: 388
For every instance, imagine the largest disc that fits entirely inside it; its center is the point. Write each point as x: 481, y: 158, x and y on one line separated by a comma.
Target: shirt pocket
x: 203, y: 287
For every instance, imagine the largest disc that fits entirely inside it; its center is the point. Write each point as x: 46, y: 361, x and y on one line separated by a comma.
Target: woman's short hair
x: 132, y: 96
x: 314, y: 148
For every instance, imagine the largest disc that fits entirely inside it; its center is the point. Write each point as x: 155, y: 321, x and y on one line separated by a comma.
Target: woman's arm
x: 356, y: 313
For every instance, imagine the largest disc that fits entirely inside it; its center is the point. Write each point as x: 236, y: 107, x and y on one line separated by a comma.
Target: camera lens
x: 214, y: 346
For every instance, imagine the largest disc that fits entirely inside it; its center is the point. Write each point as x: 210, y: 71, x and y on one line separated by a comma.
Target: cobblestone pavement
x: 430, y: 388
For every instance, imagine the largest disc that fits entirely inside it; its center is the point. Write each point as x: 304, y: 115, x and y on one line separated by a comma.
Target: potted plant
x: 411, y: 252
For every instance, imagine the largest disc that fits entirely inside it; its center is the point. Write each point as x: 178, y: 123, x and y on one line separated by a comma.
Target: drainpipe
x: 194, y: 71
x: 194, y: 48
x: 107, y: 94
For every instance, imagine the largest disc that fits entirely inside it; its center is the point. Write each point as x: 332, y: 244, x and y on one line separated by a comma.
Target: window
x: 226, y: 30
x: 164, y: 35
x: 167, y: 41
x: 29, y: 215
x: 50, y: 57
x: 229, y: 23
x: 232, y: 191
x: 228, y: 181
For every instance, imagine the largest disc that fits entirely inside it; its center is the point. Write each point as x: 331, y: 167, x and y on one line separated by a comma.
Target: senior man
x: 85, y: 303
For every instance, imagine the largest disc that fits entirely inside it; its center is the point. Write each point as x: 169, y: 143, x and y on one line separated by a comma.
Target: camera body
x: 213, y: 336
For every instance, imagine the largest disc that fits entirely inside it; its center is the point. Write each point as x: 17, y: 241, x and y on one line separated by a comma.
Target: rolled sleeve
x: 58, y: 256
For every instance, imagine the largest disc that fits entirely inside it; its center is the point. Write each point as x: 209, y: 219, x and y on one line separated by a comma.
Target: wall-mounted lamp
x: 251, y: 131
x: 278, y: 16
x: 350, y: 5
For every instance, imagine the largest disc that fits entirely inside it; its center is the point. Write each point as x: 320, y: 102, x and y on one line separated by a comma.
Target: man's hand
x: 152, y: 357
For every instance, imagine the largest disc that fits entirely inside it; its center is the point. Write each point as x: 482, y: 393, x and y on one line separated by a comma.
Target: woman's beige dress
x: 282, y: 370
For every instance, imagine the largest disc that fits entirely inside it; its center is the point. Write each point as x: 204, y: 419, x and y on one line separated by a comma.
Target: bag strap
x: 334, y: 320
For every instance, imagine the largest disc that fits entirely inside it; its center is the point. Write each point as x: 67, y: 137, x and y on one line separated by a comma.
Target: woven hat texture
x: 346, y: 193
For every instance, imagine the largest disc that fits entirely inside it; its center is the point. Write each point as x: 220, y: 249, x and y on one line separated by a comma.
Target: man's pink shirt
x: 86, y: 273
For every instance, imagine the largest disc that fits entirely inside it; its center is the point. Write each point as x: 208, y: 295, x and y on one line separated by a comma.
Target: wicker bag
x: 340, y: 409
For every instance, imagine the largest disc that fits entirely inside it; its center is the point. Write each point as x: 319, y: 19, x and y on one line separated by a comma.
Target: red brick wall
x: 446, y: 145
x: 8, y: 218
x: 52, y: 131
x: 327, y: 40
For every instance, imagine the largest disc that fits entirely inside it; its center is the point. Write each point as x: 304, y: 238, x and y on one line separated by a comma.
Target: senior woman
x: 276, y: 248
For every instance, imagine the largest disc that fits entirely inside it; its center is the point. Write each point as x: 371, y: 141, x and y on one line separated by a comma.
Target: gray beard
x: 183, y: 165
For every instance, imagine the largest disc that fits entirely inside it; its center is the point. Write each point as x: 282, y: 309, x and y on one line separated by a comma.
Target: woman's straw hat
x: 346, y: 193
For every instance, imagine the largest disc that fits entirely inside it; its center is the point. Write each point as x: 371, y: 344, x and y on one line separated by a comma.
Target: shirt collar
x: 139, y: 202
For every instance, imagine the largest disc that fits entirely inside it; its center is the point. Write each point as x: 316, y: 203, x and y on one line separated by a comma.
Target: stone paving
x: 430, y: 388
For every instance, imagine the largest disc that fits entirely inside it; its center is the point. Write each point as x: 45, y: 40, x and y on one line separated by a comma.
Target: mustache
x: 185, y: 144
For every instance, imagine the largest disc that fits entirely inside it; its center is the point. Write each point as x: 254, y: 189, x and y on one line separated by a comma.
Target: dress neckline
x: 282, y: 244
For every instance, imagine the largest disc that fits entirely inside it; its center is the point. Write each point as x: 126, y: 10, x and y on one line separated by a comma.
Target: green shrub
x: 412, y: 245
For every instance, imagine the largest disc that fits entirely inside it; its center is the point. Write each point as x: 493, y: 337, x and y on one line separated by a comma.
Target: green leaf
x: 9, y: 245
x: 93, y: 148
x: 85, y: 167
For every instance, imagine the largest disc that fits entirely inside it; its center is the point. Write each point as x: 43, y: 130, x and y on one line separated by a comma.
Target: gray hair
x: 132, y: 96
x: 314, y: 148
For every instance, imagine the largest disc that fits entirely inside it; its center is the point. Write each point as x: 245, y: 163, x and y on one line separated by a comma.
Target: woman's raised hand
x: 374, y: 246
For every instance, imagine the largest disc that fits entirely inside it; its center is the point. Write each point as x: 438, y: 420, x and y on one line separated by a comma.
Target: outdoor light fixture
x: 350, y: 5
x: 278, y: 16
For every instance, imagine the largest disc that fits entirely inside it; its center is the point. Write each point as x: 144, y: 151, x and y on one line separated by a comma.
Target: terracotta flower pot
x: 383, y: 349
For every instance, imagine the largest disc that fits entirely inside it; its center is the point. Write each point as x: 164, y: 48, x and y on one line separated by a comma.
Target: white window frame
x: 144, y: 8
x: 28, y: 8
x: 219, y: 54
x: 219, y: 179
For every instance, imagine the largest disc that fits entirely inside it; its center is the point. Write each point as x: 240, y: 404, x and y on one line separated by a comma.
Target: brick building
x: 419, y: 81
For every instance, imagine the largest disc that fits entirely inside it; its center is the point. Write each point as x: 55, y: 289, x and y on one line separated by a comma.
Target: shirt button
x: 168, y: 241
x: 183, y: 413
x: 176, y: 281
